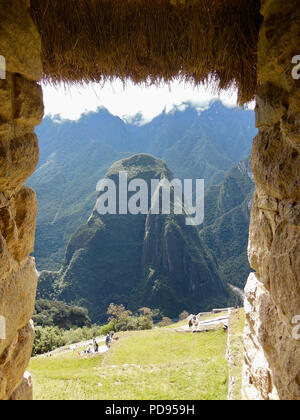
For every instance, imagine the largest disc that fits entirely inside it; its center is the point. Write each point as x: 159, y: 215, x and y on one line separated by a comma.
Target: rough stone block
x: 14, y: 369
x: 17, y: 223
x: 28, y: 103
x: 17, y: 298
x: 25, y: 391
x: 20, y: 41
x: 18, y: 160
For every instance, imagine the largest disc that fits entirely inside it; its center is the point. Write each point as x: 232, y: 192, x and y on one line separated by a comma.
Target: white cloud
x: 127, y: 102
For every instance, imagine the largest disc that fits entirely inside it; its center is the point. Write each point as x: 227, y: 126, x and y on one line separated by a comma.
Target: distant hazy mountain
x: 226, y: 223
x: 144, y: 260
x: 75, y: 155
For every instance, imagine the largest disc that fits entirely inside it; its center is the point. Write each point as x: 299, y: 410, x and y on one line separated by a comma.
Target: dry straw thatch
x: 150, y: 41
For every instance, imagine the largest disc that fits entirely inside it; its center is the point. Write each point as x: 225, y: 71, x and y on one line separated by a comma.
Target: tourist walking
x: 108, y: 340
x: 96, y: 346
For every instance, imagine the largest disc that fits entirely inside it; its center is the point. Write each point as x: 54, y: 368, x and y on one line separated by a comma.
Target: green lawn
x: 236, y: 332
x: 156, y: 364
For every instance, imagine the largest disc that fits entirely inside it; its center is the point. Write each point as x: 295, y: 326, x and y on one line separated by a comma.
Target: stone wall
x: 272, y: 355
x: 21, y: 109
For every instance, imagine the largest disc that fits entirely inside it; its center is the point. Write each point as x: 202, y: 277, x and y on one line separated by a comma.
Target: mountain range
x: 74, y: 155
x: 226, y: 225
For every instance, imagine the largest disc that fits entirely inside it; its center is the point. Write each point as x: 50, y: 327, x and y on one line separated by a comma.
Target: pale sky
x: 72, y: 102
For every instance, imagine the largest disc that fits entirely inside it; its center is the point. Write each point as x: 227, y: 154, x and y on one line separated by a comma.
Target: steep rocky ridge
x: 226, y: 223
x: 21, y: 110
x: 137, y: 260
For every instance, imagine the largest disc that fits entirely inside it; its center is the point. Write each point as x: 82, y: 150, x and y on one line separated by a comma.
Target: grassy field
x: 236, y: 331
x: 156, y: 364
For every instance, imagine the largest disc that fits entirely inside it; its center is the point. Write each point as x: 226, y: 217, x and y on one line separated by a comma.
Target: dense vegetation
x: 121, y: 319
x: 62, y: 329
x: 54, y: 313
x: 226, y: 224
x: 50, y: 338
x: 58, y: 324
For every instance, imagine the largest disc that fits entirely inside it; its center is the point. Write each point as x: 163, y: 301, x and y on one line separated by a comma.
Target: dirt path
x: 209, y: 324
x: 77, y: 347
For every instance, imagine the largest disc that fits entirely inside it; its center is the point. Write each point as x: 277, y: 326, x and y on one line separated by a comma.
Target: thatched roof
x: 150, y: 41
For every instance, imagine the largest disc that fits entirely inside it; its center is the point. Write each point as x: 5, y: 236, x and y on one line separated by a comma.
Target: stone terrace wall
x: 21, y: 109
x: 272, y: 355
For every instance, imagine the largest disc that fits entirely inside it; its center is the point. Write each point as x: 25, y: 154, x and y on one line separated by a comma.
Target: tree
x: 117, y: 312
x: 145, y: 311
x: 183, y: 315
x: 110, y: 327
x: 122, y: 319
x: 47, y: 339
x: 165, y: 322
x: 157, y: 314
x: 49, y: 313
x: 145, y: 323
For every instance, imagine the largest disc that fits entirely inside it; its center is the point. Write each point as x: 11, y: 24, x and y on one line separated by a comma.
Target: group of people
x: 193, y: 321
x: 95, y: 347
x: 89, y: 350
